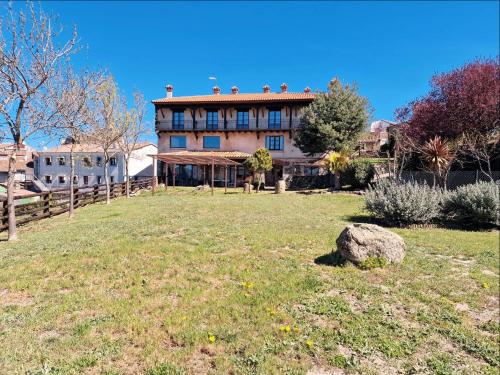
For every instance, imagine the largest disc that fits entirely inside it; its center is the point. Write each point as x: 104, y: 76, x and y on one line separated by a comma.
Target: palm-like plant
x: 336, y: 163
x: 437, y: 155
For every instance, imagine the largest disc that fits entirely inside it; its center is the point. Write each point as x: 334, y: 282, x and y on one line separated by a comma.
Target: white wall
x: 141, y: 164
x: 55, y: 170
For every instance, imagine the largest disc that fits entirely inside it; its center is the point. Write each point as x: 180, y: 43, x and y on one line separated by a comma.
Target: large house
x: 52, y: 166
x: 232, y: 126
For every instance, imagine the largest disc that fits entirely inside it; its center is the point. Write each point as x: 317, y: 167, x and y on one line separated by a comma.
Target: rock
x: 247, y: 188
x: 280, y: 187
x: 357, y: 242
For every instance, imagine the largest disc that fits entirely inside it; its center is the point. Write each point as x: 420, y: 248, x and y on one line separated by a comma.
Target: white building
x: 52, y: 166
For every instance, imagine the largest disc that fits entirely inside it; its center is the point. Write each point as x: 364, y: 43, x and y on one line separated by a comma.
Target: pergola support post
x: 213, y: 177
x: 173, y: 175
x: 225, y: 179
x: 166, y: 176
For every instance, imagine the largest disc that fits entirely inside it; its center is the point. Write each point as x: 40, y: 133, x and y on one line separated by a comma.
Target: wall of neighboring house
x: 87, y: 169
x: 141, y: 164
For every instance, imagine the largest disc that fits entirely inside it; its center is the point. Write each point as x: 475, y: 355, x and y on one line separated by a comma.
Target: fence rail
x: 55, y: 202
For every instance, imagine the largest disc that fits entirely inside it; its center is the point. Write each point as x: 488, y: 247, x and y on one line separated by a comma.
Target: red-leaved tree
x: 464, y: 100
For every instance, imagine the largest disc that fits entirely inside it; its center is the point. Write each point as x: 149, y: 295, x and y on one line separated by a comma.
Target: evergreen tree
x: 333, y: 121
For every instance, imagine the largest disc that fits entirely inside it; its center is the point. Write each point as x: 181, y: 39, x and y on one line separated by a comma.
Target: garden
x: 186, y: 283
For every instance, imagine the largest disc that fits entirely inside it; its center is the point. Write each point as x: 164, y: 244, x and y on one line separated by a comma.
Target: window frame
x: 61, y: 179
x: 178, y: 119
x: 206, y: 137
x: 85, y: 180
x: 61, y: 161
x: 48, y: 161
x: 113, y: 161
x: 211, y: 124
x: 246, y: 116
x: 281, y: 144
x: 99, y: 180
x: 178, y: 136
x: 87, y: 162
x: 49, y: 179
x: 98, y: 161
x: 273, y: 124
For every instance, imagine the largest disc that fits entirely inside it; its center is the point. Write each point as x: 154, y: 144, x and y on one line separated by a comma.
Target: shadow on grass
x: 333, y: 259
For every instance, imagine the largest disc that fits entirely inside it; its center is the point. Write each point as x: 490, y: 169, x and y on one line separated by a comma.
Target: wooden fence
x: 55, y: 202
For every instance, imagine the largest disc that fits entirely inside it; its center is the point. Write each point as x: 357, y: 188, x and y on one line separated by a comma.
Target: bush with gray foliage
x: 475, y: 205
x: 404, y: 203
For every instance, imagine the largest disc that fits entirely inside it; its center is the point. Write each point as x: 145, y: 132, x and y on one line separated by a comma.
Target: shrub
x: 473, y: 205
x: 358, y: 174
x: 400, y: 203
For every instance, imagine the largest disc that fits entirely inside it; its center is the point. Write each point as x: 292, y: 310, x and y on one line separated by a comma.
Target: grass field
x: 241, y: 284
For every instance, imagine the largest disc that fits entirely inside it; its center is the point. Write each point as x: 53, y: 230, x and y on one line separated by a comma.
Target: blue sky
x: 390, y: 49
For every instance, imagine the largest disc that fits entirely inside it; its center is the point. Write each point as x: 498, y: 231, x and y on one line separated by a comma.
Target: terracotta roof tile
x: 79, y: 147
x: 238, y: 98
x: 225, y: 154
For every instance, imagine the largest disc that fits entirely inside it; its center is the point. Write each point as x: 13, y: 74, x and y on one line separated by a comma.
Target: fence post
x: 5, y: 213
x: 124, y: 190
x: 95, y: 193
x: 46, y: 203
x: 112, y: 190
x: 76, y: 199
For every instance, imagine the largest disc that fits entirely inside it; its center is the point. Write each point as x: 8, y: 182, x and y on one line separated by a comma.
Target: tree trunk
x: 106, y: 182
x: 127, y: 178
x: 71, y: 183
x: 10, y: 195
x: 337, y: 181
x: 259, y: 179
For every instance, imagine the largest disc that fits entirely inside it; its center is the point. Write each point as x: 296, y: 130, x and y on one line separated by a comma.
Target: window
x: 212, y: 120
x: 48, y: 161
x: 311, y: 171
x: 48, y: 179
x: 87, y: 162
x: 274, y: 119
x: 211, y: 142
x: 242, y: 120
x: 112, y: 161
x: 85, y: 180
x: 61, y: 160
x: 275, y: 142
x: 178, y: 120
x: 62, y: 179
x: 178, y: 141
x: 98, y: 161
x: 99, y: 180
x: 75, y: 179
x: 112, y: 179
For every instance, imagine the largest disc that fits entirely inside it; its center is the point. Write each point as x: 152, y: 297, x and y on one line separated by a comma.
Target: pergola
x: 197, y: 158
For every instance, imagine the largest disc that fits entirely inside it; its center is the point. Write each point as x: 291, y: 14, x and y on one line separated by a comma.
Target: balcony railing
x: 229, y: 125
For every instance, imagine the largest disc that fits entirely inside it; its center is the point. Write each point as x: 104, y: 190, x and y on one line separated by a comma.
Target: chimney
x: 216, y: 90
x: 266, y: 89
x: 284, y: 87
x: 170, y: 91
x: 307, y: 90
x: 234, y: 90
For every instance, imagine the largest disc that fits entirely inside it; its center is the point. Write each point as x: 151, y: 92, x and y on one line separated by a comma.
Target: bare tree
x: 70, y: 95
x: 29, y: 58
x: 134, y: 129
x: 481, y: 147
x: 107, y: 122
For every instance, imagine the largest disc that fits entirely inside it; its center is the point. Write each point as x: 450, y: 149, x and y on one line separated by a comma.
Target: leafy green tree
x: 260, y: 162
x: 333, y: 121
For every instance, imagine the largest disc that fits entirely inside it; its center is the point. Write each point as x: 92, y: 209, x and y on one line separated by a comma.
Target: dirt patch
x: 10, y: 298
x: 321, y: 371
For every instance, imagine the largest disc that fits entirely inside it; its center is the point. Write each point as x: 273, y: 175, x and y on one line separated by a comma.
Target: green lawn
x: 241, y: 284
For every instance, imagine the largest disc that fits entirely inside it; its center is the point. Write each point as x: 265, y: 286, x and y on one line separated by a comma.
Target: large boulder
x: 357, y: 242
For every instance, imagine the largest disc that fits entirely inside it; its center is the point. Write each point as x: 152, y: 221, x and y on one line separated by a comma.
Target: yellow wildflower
x: 309, y: 343
x: 211, y: 338
x: 486, y: 286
